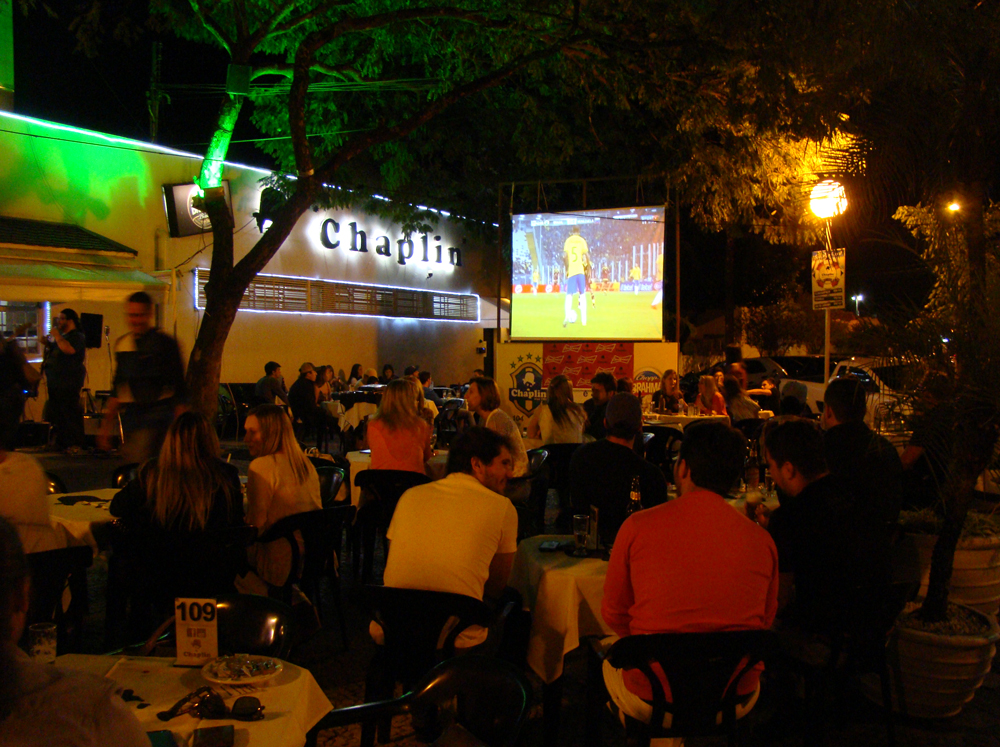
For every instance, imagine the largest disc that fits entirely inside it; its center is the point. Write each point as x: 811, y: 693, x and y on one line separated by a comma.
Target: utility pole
x: 154, y: 95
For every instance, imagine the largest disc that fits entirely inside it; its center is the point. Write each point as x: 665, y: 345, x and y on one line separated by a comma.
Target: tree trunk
x: 729, y: 281
x: 976, y: 427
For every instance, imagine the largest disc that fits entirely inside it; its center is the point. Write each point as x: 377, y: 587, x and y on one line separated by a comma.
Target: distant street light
x: 954, y: 207
x: 857, y: 300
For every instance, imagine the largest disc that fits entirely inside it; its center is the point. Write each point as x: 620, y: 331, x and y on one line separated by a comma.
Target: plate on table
x: 242, y: 669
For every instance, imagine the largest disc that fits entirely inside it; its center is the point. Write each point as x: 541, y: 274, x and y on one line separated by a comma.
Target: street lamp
x: 857, y: 300
x: 828, y: 200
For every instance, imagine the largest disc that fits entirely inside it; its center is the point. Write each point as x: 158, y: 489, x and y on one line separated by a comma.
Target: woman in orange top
x: 709, y: 400
x: 399, y: 438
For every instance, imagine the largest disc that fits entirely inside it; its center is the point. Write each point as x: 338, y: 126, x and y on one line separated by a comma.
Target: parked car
x: 806, y: 367
x: 885, y: 381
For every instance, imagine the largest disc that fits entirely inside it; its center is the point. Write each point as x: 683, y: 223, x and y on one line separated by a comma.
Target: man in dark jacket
x: 65, y: 372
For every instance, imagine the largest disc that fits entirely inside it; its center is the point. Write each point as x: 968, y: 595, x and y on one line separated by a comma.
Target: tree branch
x: 288, y: 70
x: 270, y: 25
x: 211, y: 26
x: 293, y: 23
x: 385, y: 133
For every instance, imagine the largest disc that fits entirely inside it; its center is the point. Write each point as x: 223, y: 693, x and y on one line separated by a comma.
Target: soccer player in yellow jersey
x: 635, y: 275
x: 576, y: 260
x: 658, y: 298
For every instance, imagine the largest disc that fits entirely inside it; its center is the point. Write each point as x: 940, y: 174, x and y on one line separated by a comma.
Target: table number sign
x: 197, y: 631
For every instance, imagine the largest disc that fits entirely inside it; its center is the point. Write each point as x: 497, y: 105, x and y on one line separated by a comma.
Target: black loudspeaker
x: 91, y: 325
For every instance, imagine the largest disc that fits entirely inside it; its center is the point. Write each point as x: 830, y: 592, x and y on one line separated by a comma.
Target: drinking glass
x: 769, y: 485
x: 581, y: 532
x: 42, y: 638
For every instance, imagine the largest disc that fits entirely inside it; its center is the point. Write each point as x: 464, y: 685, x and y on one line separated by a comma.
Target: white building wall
x: 113, y: 187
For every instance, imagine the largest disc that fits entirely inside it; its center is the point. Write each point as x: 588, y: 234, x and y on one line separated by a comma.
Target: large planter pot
x: 975, y: 580
x: 937, y: 674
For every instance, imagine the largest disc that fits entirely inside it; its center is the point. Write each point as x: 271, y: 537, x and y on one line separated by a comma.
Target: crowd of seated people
x: 559, y: 420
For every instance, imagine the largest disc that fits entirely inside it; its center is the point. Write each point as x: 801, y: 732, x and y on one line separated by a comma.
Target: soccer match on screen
x: 589, y: 274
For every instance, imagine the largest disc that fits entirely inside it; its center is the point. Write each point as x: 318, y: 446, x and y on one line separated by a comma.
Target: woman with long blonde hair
x: 559, y: 420
x: 281, y: 481
x: 709, y: 400
x: 398, y: 436
x: 187, y: 487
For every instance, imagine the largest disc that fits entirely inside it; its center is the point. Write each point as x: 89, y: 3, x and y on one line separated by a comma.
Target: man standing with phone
x: 64, y: 370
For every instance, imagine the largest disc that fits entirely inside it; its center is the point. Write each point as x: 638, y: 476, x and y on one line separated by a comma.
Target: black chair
x: 380, y: 492
x: 750, y: 427
x: 558, y: 461
x: 54, y: 484
x: 488, y: 700
x: 254, y: 624
x: 859, y: 642
x: 449, y: 423
x: 123, y: 475
x: 150, y: 567
x: 51, y: 572
x: 420, y: 628
x: 699, y: 668
x: 247, y: 624
x: 663, y: 448
x: 310, y: 564
x: 531, y: 513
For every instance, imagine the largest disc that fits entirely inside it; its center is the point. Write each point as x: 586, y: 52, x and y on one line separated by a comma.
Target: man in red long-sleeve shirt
x: 691, y: 565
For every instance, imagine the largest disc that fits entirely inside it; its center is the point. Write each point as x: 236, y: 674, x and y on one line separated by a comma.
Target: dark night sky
x: 108, y: 93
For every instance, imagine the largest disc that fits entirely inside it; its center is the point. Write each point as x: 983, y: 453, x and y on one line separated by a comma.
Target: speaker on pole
x: 90, y: 325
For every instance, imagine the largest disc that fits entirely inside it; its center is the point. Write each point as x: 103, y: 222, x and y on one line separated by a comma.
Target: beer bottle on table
x: 634, y: 499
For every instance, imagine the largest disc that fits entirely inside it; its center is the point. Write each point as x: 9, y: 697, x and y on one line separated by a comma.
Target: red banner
x: 581, y: 361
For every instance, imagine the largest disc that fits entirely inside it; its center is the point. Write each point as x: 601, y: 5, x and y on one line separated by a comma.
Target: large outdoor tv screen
x: 589, y: 274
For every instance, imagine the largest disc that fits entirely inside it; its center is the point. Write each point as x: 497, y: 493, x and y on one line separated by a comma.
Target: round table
x: 681, y: 421
x: 564, y: 595
x: 78, y: 517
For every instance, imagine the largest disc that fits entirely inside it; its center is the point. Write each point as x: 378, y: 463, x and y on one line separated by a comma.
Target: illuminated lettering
x: 409, y: 250
x: 438, y: 248
x: 455, y: 256
x: 324, y: 234
x: 382, y: 246
x: 355, y: 233
x: 424, y: 240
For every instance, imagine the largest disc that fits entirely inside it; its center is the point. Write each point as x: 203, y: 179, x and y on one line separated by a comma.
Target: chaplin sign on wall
x: 350, y: 236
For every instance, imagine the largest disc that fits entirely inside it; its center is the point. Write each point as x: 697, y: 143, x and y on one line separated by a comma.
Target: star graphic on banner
x: 528, y: 356
x: 513, y: 364
x: 520, y: 358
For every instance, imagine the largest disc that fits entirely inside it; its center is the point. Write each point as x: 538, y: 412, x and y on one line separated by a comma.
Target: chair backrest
x: 124, y: 474
x: 489, y: 697
x: 54, y: 484
x: 386, y: 486
x: 331, y: 477
x: 49, y: 571
x: 558, y: 463
x: 699, y: 669
x: 664, y: 446
x: 250, y: 624
x: 536, y: 461
x: 420, y: 626
x: 314, y: 529
x: 750, y: 427
x: 169, y: 564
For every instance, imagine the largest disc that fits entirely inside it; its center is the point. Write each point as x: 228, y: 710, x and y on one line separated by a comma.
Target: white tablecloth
x: 564, y: 595
x: 361, y: 460
x: 352, y: 417
x: 293, y: 702
x: 78, y: 519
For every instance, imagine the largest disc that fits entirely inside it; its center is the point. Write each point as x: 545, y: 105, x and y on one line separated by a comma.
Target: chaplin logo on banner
x: 646, y: 382
x: 526, y: 392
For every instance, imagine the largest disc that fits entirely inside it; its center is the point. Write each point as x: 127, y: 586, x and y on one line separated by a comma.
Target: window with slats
x: 300, y: 295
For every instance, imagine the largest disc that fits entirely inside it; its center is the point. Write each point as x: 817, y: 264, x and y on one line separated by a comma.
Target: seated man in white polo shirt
x: 459, y: 534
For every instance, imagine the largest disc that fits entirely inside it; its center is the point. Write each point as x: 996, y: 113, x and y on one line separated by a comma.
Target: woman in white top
x: 281, y: 481
x: 483, y: 399
x: 560, y: 419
